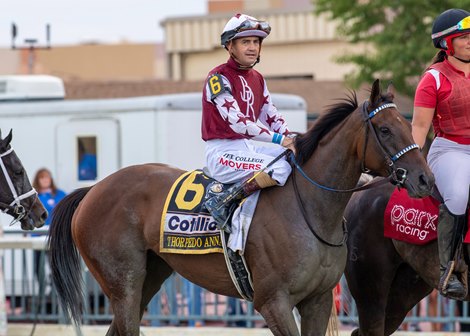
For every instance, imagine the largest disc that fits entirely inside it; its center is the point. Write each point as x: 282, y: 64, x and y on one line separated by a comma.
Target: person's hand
x: 289, y: 142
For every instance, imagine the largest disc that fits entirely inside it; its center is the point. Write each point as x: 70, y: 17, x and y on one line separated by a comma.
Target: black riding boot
x: 450, y: 233
x: 220, y: 206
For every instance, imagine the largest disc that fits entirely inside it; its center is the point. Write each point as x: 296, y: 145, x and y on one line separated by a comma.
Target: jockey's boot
x: 450, y: 231
x: 220, y: 206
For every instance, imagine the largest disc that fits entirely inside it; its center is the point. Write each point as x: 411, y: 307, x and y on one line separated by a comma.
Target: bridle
x: 15, y: 208
x: 397, y: 175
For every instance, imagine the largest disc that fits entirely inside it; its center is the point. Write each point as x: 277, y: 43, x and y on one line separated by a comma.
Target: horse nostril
x: 44, y: 216
x: 423, y: 180
x: 426, y: 181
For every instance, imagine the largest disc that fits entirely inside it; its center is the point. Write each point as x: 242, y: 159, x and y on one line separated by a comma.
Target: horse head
x: 388, y: 147
x: 17, y: 197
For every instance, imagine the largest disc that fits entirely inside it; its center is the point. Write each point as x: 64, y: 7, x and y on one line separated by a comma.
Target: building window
x: 87, y: 163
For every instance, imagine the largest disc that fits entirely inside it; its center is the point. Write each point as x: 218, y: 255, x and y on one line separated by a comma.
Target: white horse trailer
x: 50, y: 131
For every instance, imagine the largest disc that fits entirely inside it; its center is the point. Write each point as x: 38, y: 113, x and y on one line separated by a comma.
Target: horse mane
x: 305, y: 144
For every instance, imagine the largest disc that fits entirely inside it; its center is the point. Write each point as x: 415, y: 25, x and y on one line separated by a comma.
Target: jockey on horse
x: 237, y: 109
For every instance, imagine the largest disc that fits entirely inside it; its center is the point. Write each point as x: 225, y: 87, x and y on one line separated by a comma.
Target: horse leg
x: 121, y: 274
x: 315, y: 312
x: 157, y: 272
x: 374, y: 271
x: 277, y: 313
x: 406, y: 291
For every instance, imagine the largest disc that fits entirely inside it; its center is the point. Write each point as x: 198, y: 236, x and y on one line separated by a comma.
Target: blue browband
x: 380, y: 108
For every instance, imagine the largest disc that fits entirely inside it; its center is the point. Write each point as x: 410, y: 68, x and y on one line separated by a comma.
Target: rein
x: 310, y: 226
x: 368, y: 185
x: 14, y: 208
x: 397, y: 175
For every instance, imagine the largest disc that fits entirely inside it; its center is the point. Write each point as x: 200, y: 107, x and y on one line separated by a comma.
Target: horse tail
x: 64, y: 258
x: 332, y: 328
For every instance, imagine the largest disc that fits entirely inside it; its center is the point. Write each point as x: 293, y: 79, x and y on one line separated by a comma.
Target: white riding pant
x: 450, y: 163
x: 230, y: 161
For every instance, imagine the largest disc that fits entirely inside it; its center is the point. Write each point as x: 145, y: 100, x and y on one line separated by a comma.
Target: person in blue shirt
x: 48, y: 193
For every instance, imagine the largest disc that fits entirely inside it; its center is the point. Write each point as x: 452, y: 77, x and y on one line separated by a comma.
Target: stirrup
x: 450, y: 286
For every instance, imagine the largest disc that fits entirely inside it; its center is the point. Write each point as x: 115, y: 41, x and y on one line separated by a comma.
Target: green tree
x: 397, y: 35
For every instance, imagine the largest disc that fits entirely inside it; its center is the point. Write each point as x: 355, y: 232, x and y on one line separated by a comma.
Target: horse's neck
x: 334, y: 164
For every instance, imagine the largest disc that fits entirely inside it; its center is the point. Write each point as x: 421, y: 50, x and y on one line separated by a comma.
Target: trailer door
x: 87, y: 151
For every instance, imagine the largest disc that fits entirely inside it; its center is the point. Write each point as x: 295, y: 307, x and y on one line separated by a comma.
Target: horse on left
x: 17, y: 197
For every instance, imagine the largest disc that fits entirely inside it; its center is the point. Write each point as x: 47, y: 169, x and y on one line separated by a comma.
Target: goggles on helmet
x: 253, y: 25
x: 461, y: 25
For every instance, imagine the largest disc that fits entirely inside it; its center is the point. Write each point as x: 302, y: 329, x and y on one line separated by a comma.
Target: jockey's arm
x: 422, y: 119
x: 230, y: 111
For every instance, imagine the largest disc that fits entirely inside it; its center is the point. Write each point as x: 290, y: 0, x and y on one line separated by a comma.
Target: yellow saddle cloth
x: 187, y: 226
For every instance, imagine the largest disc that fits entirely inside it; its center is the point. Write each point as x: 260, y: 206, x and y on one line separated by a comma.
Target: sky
x: 81, y: 21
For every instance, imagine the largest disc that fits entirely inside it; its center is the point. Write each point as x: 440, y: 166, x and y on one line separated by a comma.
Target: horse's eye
x: 19, y: 172
x: 385, y: 130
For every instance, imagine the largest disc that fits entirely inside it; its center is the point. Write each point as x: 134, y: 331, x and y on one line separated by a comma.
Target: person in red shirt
x: 442, y: 99
x: 237, y: 109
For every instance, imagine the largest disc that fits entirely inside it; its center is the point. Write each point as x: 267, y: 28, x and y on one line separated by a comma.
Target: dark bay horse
x: 295, y: 249
x: 386, y: 277
x: 17, y: 196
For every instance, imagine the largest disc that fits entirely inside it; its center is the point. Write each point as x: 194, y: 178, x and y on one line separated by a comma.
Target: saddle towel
x: 187, y: 226
x: 412, y: 220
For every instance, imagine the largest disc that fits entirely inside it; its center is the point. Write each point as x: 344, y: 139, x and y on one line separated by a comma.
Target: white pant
x: 450, y: 163
x: 230, y: 161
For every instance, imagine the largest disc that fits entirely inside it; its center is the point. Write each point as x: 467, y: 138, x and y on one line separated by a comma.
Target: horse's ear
x: 390, y: 91
x: 374, y: 98
x: 8, y: 138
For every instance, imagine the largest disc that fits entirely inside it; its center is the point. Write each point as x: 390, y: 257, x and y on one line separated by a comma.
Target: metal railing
x: 31, y: 298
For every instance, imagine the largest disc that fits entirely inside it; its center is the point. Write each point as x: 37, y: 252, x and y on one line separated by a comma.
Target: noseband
x: 15, y: 208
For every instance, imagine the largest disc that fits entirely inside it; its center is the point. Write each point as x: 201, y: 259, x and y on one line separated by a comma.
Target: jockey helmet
x: 448, y: 25
x: 242, y: 25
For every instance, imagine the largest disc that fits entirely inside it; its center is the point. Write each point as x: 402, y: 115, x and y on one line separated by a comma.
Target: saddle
x: 188, y: 228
